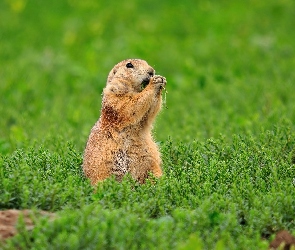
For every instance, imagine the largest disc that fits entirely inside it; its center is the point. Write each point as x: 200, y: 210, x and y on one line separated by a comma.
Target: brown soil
x: 283, y: 238
x: 9, y: 219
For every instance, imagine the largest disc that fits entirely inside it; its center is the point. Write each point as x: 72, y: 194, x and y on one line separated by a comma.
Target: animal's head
x: 131, y: 75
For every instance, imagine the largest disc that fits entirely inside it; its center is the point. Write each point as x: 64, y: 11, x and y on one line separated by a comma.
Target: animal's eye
x: 129, y: 65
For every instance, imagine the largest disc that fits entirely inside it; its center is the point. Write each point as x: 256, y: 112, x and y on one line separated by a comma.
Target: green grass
x: 227, y: 135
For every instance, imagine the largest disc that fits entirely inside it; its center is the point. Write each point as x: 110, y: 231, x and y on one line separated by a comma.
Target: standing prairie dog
x: 121, y: 142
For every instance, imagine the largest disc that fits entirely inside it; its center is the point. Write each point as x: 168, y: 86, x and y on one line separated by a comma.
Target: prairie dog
x: 121, y: 141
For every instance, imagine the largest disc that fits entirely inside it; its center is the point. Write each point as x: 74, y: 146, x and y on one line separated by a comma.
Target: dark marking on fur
x: 110, y: 116
x: 121, y: 165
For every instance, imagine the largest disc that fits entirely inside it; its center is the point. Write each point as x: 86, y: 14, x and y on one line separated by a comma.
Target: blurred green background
x: 229, y: 65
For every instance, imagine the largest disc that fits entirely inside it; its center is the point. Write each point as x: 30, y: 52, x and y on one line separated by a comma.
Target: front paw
x: 159, y: 81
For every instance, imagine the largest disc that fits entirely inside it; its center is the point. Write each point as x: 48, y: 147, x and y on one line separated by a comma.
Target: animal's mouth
x: 144, y: 83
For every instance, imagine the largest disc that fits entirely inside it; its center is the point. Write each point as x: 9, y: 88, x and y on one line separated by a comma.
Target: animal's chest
x: 128, y: 142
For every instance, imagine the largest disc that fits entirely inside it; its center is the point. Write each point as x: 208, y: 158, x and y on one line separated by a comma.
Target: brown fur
x: 121, y: 142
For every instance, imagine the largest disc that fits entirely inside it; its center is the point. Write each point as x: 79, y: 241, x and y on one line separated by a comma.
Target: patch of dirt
x: 9, y: 219
x: 283, y: 238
